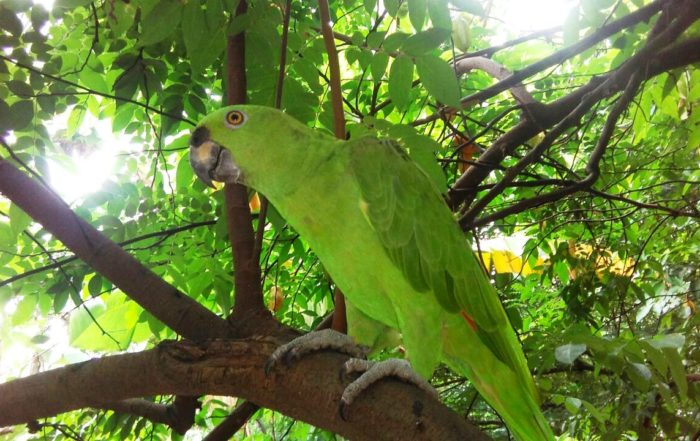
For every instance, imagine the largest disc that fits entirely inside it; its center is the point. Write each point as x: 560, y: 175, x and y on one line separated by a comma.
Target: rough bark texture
x: 171, y: 306
x: 390, y: 411
x: 249, y: 314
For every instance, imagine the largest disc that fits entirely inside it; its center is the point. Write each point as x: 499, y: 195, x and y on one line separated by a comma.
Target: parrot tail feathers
x: 504, y: 389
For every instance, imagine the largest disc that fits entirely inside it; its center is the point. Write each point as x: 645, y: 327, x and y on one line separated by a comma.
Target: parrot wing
x: 422, y: 238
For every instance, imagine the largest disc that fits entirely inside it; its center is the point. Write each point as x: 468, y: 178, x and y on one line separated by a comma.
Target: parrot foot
x: 373, y: 371
x: 314, y: 342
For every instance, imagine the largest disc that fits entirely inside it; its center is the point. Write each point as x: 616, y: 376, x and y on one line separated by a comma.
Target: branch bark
x: 232, y: 423
x: 551, y: 114
x: 388, y: 411
x: 249, y: 312
x: 339, y: 323
x: 179, y: 415
x: 497, y: 71
x: 171, y: 306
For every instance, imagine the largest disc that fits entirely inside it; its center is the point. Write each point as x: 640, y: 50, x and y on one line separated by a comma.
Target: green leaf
x: 122, y: 17
x: 70, y: 4
x: 392, y: 6
x: 640, y: 376
x: 93, y: 80
x: 471, y: 6
x: 461, y: 33
x: 375, y: 39
x: 59, y: 301
x: 21, y: 114
x: 416, y: 13
x: 439, y: 14
x: 215, y: 13
x: 197, y: 104
x: 95, y: 285
x: 594, y: 411
x: 673, y: 341
x: 25, y: 310
x: 19, y: 220
x: 571, y: 27
x: 40, y: 339
x: 5, y: 117
x: 394, y: 41
x: 161, y: 22
x: 184, y: 174
x: 127, y: 83
x: 439, y: 79
x: 308, y: 72
x: 678, y: 374
x: 193, y: 22
x: 400, y: 81
x: 10, y: 22
x: 378, y: 65
x: 425, y: 41
x: 656, y: 356
x: 573, y: 405
x: 568, y: 353
x: 20, y: 88
x: 75, y: 120
x: 370, y: 5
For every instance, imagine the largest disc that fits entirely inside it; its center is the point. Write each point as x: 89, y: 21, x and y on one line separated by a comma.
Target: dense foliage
x: 602, y: 286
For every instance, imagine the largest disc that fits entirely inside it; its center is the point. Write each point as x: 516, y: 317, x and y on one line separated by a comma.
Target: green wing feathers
x: 422, y: 239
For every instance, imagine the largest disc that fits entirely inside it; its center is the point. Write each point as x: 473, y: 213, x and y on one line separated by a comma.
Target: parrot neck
x: 305, y: 157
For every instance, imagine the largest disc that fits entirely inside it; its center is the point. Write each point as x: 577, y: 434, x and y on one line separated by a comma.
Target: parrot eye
x: 235, y: 119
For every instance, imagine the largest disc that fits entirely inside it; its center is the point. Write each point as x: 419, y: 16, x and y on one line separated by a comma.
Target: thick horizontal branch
x: 389, y: 410
x: 171, y: 306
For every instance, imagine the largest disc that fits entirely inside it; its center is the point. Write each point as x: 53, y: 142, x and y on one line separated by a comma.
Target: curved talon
x: 343, y: 409
x: 373, y: 372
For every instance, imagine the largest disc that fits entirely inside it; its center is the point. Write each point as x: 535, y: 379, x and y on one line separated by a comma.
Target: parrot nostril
x: 200, y: 135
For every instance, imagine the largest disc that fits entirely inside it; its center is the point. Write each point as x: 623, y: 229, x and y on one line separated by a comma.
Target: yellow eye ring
x: 235, y: 118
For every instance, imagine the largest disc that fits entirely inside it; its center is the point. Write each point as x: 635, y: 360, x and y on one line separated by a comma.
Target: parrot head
x: 244, y: 143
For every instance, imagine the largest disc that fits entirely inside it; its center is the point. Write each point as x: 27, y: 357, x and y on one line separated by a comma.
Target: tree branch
x: 174, y: 308
x: 592, y: 168
x: 304, y: 391
x: 179, y: 415
x: 233, y: 423
x: 668, y: 58
x: 497, y: 71
x: 634, y: 67
x: 249, y: 310
x: 339, y: 314
x: 641, y: 14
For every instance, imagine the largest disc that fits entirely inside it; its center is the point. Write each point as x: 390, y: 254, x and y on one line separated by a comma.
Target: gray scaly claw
x: 371, y: 372
x: 326, y: 339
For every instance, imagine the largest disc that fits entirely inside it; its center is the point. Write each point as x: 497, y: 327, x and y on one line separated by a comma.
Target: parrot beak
x: 210, y: 161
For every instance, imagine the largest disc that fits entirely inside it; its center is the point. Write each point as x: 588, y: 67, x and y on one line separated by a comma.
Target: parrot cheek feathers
x: 203, y: 158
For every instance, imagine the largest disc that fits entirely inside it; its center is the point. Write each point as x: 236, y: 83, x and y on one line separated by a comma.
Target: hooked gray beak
x: 210, y: 161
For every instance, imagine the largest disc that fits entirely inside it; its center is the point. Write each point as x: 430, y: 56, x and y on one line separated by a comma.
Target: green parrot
x: 383, y: 232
